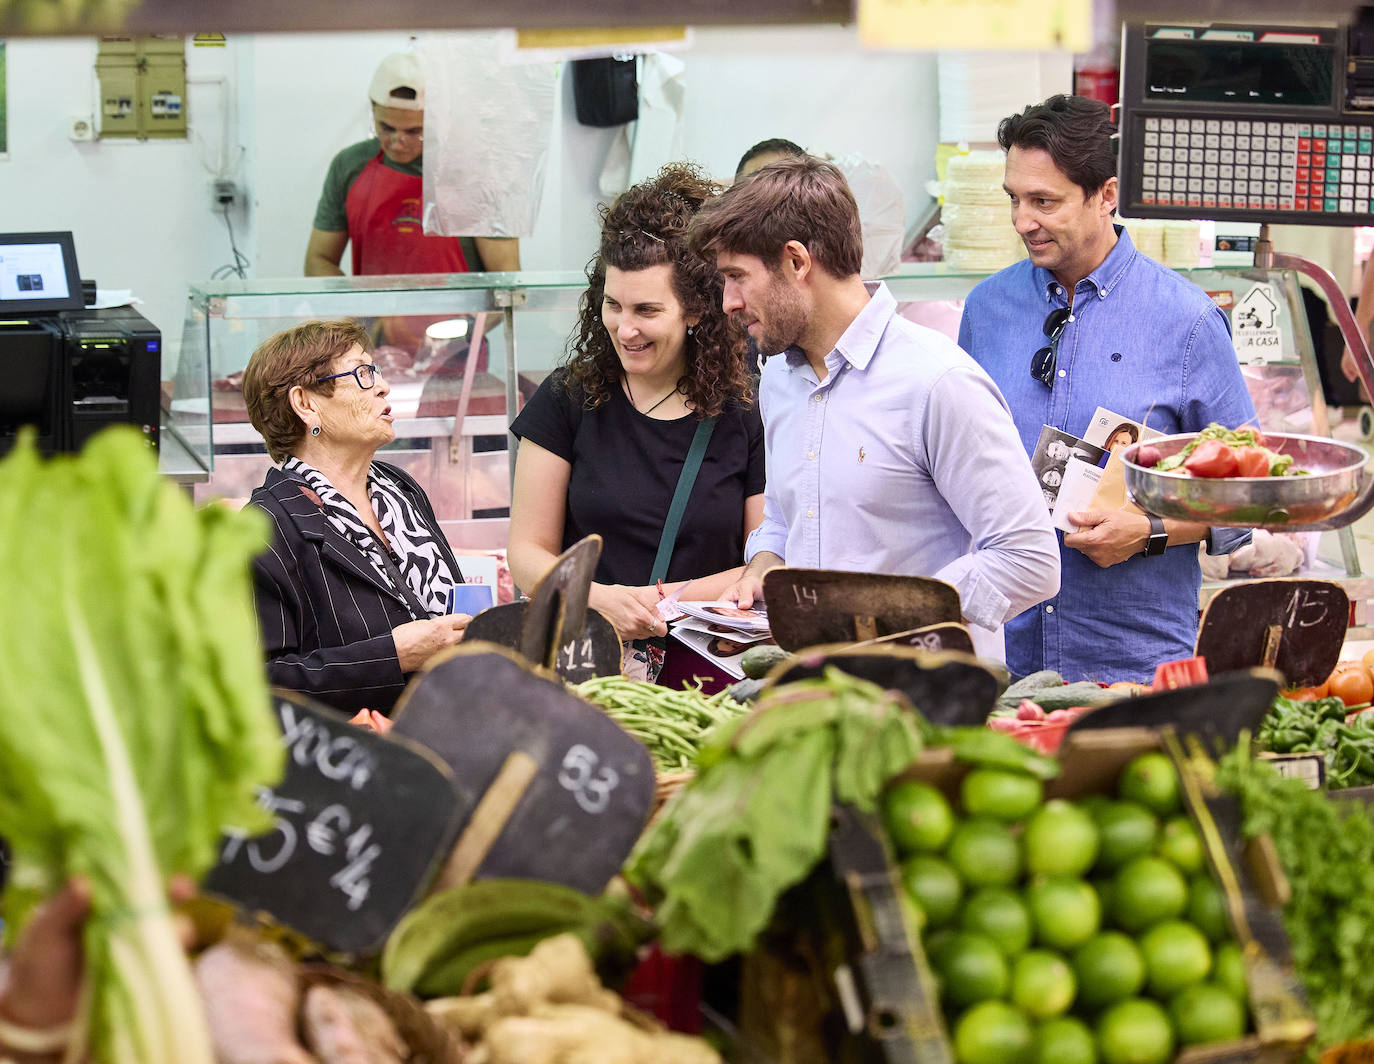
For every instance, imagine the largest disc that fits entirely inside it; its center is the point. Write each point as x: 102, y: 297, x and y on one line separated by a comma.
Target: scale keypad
x: 1300, y: 168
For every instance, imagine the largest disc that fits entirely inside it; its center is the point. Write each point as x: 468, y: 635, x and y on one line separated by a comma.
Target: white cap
x: 397, y: 71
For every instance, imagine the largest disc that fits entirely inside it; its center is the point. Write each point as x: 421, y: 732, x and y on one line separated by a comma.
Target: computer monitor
x: 38, y: 273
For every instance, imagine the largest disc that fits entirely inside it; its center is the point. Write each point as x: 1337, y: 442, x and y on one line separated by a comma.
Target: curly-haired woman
x: 604, y: 441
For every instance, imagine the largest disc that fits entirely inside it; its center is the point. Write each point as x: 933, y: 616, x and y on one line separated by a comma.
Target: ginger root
x: 550, y: 1008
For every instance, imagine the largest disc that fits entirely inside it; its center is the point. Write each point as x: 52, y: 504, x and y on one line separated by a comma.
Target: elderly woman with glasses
x: 353, y: 594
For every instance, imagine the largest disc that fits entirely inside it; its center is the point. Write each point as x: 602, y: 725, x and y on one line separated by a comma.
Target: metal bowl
x: 1329, y: 487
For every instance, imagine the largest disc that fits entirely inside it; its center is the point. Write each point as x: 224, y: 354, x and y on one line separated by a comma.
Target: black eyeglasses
x: 1043, y: 361
x: 365, y: 375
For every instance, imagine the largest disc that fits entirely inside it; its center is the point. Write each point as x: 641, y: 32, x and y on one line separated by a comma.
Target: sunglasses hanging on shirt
x: 1043, y: 361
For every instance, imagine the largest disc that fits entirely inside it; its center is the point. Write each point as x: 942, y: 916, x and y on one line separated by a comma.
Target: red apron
x: 386, y: 228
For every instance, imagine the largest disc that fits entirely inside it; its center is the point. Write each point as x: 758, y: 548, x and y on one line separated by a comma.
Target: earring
x: 691, y: 329
x: 314, y: 430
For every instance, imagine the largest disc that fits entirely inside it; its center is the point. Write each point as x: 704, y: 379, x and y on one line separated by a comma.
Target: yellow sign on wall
x: 925, y: 25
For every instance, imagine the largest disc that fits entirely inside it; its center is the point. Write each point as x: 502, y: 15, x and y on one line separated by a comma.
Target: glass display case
x: 453, y: 411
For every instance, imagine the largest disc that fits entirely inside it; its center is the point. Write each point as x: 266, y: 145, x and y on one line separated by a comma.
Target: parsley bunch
x: 1327, y: 851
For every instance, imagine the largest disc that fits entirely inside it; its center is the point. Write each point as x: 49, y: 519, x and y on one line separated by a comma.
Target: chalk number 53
x: 589, y: 781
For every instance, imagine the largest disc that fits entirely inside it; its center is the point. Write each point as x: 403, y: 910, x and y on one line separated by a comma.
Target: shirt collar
x: 859, y: 342
x: 1105, y: 277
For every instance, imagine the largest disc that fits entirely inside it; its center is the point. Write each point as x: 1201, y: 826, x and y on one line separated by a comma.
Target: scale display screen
x: 1244, y: 122
x: 1294, y: 75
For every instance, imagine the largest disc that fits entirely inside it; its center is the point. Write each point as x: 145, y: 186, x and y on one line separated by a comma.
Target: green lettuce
x: 134, y: 717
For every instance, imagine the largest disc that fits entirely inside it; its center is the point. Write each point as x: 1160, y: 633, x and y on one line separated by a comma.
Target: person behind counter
x: 654, y: 371
x: 889, y: 450
x: 1139, y: 341
x: 352, y: 594
x: 372, y: 196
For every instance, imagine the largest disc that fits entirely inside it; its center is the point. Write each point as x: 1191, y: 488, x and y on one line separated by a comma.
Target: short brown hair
x: 803, y: 199
x: 295, y: 356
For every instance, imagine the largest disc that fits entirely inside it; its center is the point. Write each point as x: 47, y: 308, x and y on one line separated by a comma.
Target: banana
x: 449, y: 977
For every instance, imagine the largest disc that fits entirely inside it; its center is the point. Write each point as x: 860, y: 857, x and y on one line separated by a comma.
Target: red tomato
x: 1304, y: 694
x: 1211, y: 458
x: 1251, y: 462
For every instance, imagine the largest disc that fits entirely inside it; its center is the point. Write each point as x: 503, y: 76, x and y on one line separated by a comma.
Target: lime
x: 917, y: 817
x: 972, y: 969
x: 1135, y: 1031
x: 985, y: 853
x: 1001, y: 915
x: 992, y: 1032
x: 1109, y: 968
x: 1042, y: 983
x: 1065, y: 912
x: 1146, y: 891
x: 1128, y: 830
x: 1064, y: 1040
x: 1151, y: 780
x: 1176, y: 956
x: 933, y: 886
x: 1060, y: 840
x: 1000, y: 794
x: 934, y: 941
x: 1207, y: 909
x: 1180, y: 843
x: 1206, y: 1013
x: 1228, y: 971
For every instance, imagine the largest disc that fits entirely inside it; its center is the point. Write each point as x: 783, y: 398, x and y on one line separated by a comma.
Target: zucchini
x: 1069, y: 695
x: 1036, y: 681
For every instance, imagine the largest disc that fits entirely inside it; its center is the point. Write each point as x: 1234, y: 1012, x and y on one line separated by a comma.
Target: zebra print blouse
x: 413, y: 547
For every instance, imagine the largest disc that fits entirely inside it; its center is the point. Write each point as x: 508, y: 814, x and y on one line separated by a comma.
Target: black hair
x: 772, y: 146
x: 1077, y: 133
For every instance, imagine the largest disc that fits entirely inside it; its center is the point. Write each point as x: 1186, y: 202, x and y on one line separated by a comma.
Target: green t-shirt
x: 330, y: 213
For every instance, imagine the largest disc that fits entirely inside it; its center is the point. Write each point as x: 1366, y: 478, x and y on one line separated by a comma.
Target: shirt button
x: 1063, y: 373
x: 811, y: 455
x: 1049, y: 609
x: 820, y: 398
x: 810, y: 513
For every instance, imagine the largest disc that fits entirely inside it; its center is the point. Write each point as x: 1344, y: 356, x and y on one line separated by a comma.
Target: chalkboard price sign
x: 361, y: 822
x: 581, y: 799
x: 809, y: 607
x: 1296, y: 626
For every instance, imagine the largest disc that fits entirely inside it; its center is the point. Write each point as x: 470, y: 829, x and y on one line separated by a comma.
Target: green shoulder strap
x: 678, y: 507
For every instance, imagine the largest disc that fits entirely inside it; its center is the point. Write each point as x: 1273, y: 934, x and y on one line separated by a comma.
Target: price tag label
x: 361, y: 822
x: 587, y: 800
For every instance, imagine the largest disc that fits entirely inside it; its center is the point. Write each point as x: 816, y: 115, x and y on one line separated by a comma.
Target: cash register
x: 66, y: 369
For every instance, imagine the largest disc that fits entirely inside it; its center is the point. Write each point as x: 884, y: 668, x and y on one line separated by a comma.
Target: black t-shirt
x: 625, y: 468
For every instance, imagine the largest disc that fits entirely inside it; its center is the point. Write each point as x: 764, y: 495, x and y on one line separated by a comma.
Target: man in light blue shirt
x: 1088, y: 321
x: 888, y: 449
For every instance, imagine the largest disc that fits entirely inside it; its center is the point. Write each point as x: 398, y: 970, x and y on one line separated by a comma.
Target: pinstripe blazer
x: 325, y: 612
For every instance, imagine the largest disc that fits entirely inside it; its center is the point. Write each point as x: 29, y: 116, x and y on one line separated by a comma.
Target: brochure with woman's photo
x: 727, y: 614
x: 1115, y: 433
x: 722, y: 650
x: 1051, y: 458
x: 692, y: 624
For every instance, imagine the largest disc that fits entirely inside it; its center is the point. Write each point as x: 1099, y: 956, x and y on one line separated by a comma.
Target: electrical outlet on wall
x: 224, y: 194
x: 81, y: 127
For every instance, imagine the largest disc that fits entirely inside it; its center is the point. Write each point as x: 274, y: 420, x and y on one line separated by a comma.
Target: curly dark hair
x: 647, y: 226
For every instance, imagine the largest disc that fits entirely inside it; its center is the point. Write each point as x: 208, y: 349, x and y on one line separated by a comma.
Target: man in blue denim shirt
x: 1088, y: 321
